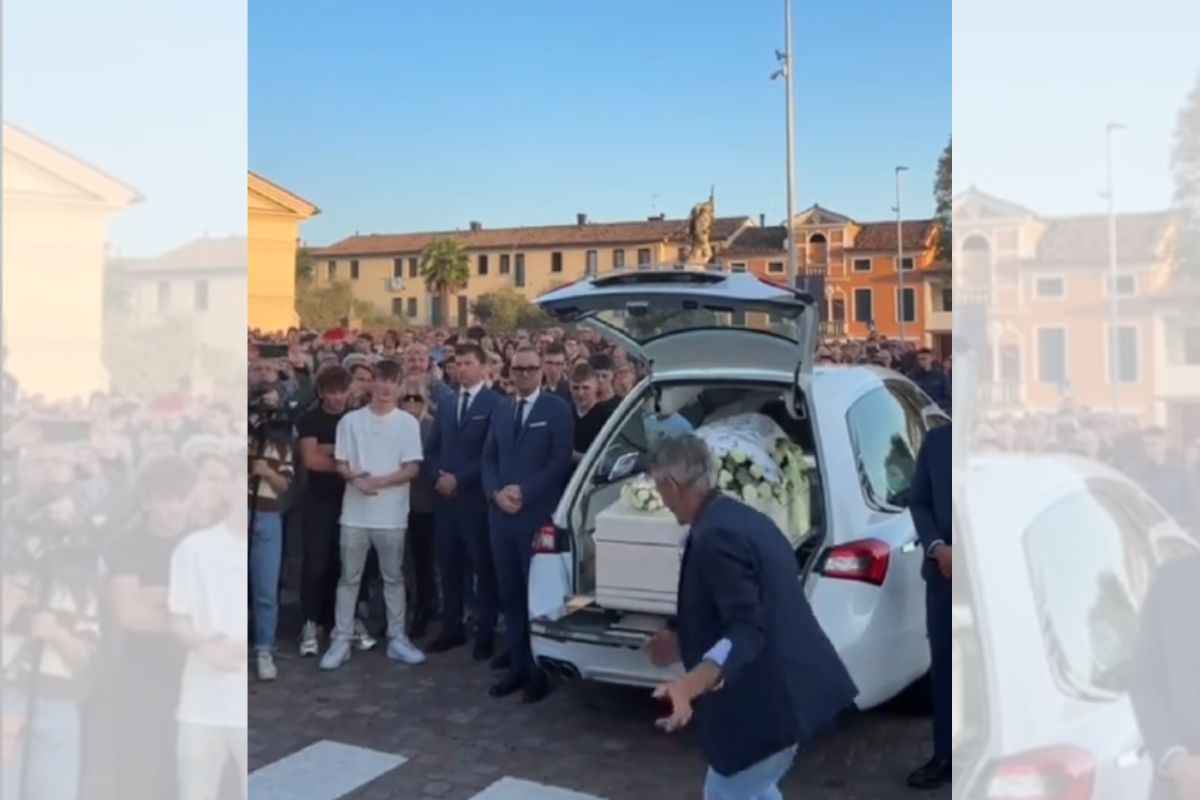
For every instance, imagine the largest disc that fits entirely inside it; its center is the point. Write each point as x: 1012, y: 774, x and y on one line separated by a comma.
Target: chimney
x: 476, y: 226
x: 762, y: 220
x: 581, y: 219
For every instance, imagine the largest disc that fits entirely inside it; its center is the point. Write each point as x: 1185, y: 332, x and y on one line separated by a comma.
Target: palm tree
x: 445, y: 271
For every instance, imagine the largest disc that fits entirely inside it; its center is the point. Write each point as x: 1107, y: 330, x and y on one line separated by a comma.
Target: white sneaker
x: 363, y: 640
x: 401, y: 649
x: 266, y: 666
x: 337, y: 654
x: 309, y: 646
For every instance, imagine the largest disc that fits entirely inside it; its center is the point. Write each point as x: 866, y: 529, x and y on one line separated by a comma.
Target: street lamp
x: 1114, y: 351
x: 900, y: 256
x: 785, y: 71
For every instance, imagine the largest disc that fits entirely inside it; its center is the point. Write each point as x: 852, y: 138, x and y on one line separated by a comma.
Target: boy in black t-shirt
x: 322, y: 506
x: 590, y: 412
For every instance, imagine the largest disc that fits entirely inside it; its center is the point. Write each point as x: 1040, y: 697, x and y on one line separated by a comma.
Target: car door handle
x: 1131, y: 757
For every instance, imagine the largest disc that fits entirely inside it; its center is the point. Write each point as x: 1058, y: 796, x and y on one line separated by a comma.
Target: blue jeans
x: 266, y: 559
x: 48, y: 752
x: 757, y: 782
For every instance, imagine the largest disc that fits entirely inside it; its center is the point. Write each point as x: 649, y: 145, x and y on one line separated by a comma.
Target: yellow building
x: 202, y: 282
x: 384, y: 270
x: 56, y: 211
x: 274, y: 217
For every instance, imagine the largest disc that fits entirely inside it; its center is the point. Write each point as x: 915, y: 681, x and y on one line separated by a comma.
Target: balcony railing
x: 831, y: 329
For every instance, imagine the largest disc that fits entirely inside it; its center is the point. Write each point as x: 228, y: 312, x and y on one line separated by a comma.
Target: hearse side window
x: 885, y: 434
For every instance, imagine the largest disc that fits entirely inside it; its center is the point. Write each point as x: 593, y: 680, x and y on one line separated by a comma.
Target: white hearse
x: 720, y: 346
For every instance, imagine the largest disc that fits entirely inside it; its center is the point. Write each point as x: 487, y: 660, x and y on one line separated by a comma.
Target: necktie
x: 462, y: 406
x: 520, y: 418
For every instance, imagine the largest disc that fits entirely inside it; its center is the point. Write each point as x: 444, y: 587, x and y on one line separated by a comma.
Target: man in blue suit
x: 455, y: 458
x: 526, y: 463
x: 763, y: 678
x: 932, y: 507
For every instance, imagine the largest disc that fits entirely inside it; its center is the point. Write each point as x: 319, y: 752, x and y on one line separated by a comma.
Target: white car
x: 721, y: 344
x: 1052, y: 562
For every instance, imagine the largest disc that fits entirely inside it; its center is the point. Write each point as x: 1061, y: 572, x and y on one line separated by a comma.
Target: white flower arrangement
x: 640, y: 494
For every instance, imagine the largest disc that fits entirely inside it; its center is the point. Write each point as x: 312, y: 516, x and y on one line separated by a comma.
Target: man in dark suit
x: 1164, y: 682
x: 455, y: 458
x: 526, y: 463
x: 932, y: 507
x: 762, y: 675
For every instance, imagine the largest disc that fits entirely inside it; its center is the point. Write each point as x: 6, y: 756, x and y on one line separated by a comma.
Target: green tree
x: 507, y: 309
x: 149, y: 360
x: 1185, y: 167
x: 943, y: 190
x: 445, y: 271
x: 324, y: 307
x: 305, y: 266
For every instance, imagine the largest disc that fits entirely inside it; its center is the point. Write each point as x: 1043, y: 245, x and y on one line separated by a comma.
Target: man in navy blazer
x: 526, y: 464
x: 931, y: 504
x: 455, y: 459
x: 763, y: 678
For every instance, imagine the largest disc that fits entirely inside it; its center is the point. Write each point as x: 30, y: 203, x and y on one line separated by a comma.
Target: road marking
x: 322, y: 771
x: 513, y: 789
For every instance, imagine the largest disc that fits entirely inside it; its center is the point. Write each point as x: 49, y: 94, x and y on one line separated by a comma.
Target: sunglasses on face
x: 412, y: 398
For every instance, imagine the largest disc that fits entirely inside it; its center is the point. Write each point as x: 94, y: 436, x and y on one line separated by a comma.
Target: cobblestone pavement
x: 598, y: 740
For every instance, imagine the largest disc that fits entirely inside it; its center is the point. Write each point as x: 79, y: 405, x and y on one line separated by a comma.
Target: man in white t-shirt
x: 378, y: 452
x: 207, y: 601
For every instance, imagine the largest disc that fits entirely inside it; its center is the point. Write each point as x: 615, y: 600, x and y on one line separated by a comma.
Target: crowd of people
x: 127, y: 520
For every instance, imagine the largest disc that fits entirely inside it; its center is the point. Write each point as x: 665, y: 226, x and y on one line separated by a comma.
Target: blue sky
x: 394, y: 116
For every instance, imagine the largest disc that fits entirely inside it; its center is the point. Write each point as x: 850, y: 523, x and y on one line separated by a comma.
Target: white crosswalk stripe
x: 322, y: 771
x: 330, y: 770
x: 513, y: 789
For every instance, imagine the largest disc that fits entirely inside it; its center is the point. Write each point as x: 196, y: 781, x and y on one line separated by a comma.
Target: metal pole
x: 791, y: 142
x: 1114, y: 351
x: 899, y: 256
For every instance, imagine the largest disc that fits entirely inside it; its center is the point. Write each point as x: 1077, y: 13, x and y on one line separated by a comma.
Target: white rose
x: 738, y: 456
x: 724, y: 477
x: 756, y: 472
x: 749, y: 494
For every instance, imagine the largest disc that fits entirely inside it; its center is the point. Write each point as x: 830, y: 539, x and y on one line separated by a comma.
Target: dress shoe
x: 446, y: 641
x: 933, y: 775
x: 502, y: 661
x: 537, y: 688
x: 509, y: 684
x: 485, y: 648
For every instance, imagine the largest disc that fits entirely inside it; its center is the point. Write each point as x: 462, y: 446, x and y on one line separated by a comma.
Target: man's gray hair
x: 685, y: 460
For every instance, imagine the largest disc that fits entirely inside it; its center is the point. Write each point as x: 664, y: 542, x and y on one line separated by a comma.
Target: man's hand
x: 364, y: 484
x: 944, y: 557
x: 664, y: 648
x: 44, y: 626
x: 259, y: 468
x: 509, y: 499
x: 446, y: 484
x: 680, y: 699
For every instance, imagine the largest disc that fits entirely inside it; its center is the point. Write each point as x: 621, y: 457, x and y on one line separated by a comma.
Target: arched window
x: 818, y: 249
x: 976, y: 261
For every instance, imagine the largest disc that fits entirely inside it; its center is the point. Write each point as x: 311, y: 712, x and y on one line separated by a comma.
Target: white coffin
x: 638, y: 557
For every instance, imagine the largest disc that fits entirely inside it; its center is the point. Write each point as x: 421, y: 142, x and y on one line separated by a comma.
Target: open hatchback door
x: 681, y: 321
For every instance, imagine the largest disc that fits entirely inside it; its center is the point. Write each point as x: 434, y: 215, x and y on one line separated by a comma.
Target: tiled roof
x: 200, y: 255
x: 881, y: 236
x: 770, y: 240
x: 591, y: 233
x: 1085, y: 239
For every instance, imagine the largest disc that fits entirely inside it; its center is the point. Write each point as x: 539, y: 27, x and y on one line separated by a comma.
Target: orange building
x: 1040, y: 291
x: 851, y: 268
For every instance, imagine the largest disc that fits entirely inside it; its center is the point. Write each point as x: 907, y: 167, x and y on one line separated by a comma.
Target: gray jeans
x: 204, y: 751
x: 356, y: 543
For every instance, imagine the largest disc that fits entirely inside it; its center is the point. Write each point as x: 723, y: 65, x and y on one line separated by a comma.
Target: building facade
x: 384, y: 270
x: 1040, y: 291
x: 274, y: 215
x: 56, y: 211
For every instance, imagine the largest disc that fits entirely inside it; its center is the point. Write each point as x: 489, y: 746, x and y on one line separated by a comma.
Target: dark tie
x: 520, y: 414
x: 462, y: 406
